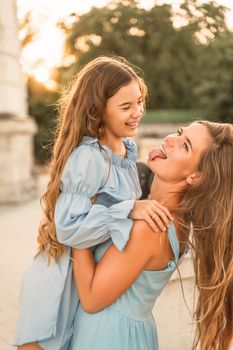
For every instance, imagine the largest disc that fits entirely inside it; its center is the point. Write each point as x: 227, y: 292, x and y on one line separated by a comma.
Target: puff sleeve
x: 79, y: 223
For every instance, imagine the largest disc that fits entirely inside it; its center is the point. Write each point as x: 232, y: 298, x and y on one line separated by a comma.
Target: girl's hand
x: 93, y: 199
x: 155, y: 214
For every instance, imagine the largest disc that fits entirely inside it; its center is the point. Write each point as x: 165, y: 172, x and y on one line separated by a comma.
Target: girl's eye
x: 179, y: 132
x: 186, y: 147
x: 125, y: 108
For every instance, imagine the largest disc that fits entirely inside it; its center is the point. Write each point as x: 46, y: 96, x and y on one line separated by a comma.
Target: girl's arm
x: 100, y: 284
x: 29, y: 346
x: 79, y: 223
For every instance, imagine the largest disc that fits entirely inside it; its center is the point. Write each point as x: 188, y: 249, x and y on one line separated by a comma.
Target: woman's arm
x: 100, y: 284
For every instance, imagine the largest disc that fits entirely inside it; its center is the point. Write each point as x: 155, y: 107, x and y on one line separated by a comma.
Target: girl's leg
x: 29, y: 346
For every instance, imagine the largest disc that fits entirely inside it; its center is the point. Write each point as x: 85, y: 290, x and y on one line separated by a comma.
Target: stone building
x: 17, y: 180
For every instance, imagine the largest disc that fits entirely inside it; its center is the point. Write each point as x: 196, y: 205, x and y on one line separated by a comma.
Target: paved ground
x: 18, y: 227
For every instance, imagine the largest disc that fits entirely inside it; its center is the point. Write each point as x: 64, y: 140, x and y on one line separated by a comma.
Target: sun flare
x: 46, y: 51
x: 42, y: 74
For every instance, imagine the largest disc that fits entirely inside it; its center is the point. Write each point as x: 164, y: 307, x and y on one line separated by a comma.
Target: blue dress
x: 48, y: 297
x: 128, y: 322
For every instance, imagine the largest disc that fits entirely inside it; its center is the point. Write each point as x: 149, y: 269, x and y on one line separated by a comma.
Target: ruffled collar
x: 116, y: 159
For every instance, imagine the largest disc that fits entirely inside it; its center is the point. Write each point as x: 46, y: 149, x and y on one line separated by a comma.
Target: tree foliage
x: 42, y: 106
x: 215, y: 90
x: 168, y: 56
x: 186, y: 66
x: 27, y: 31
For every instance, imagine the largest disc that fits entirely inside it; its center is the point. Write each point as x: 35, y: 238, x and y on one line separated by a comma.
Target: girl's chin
x: 134, y: 130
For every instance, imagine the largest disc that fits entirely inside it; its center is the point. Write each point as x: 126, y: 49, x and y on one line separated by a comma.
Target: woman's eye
x: 125, y: 108
x: 179, y: 133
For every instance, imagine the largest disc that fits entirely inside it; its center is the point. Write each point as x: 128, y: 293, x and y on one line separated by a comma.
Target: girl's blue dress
x: 127, y: 323
x: 48, y: 298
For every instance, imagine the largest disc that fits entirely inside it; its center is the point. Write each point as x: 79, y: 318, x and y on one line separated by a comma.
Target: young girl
x: 92, y: 156
x: 194, y: 178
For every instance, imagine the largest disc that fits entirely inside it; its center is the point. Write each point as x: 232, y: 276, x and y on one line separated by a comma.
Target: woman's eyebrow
x: 188, y: 140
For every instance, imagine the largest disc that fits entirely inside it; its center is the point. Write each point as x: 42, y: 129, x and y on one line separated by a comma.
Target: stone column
x: 17, y: 178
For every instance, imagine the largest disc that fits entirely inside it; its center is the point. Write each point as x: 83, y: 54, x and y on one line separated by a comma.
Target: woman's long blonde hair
x: 81, y: 112
x: 209, y: 206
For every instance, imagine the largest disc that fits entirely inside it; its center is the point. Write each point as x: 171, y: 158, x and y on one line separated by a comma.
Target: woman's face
x: 124, y: 111
x: 179, y: 155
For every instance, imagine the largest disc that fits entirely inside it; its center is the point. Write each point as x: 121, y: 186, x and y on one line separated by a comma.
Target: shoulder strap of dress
x: 174, y: 242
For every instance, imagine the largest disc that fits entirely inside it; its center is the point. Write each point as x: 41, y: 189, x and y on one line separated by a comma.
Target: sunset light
x: 42, y: 74
x: 46, y: 50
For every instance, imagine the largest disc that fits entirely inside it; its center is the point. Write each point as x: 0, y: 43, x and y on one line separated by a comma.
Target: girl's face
x: 123, y: 112
x: 179, y: 155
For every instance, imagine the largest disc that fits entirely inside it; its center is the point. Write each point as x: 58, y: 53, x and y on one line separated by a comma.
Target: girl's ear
x: 194, y: 178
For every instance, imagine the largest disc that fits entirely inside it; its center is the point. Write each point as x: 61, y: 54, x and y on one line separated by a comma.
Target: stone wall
x: 12, y: 85
x: 17, y: 177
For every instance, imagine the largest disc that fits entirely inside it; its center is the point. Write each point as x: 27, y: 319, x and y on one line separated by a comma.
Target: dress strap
x: 174, y: 242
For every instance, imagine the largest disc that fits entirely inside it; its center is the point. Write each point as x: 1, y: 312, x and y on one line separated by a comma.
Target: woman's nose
x: 169, y: 140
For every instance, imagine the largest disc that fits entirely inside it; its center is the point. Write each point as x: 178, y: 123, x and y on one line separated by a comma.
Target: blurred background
x: 184, y: 48
x: 185, y: 51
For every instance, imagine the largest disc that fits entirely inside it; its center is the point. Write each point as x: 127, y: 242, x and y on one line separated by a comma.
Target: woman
x: 194, y: 179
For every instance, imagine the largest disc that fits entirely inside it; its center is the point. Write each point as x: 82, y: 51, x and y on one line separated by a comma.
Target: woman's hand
x: 155, y: 214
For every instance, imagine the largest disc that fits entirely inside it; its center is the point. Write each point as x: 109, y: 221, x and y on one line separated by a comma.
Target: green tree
x: 185, y: 67
x: 215, y: 91
x: 169, y: 57
x: 41, y: 101
x: 27, y: 30
x: 42, y: 106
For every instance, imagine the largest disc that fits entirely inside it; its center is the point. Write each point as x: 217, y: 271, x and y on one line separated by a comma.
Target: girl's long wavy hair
x: 209, y: 206
x: 81, y: 110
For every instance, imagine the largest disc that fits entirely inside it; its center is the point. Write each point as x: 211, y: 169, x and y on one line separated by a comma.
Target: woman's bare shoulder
x: 156, y: 242
x: 143, y: 232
